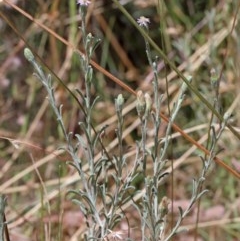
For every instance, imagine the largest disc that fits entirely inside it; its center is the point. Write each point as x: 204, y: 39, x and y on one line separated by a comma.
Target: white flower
x: 83, y: 2
x: 143, y: 21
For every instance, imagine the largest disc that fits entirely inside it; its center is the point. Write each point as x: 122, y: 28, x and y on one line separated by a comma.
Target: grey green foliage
x: 100, y: 204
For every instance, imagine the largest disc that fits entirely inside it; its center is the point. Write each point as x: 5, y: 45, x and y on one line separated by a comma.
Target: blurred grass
x: 180, y: 28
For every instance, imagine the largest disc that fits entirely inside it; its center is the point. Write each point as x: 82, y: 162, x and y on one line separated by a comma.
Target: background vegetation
x: 197, y: 36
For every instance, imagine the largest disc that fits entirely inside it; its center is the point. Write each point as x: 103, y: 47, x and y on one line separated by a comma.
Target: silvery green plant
x: 100, y: 203
x: 154, y: 209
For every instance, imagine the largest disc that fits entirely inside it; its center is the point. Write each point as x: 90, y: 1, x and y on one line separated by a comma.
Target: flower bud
x: 119, y: 101
x: 164, y: 206
x: 214, y: 78
x: 141, y: 104
x: 28, y: 55
x: 148, y: 101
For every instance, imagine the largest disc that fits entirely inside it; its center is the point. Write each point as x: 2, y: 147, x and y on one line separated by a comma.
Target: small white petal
x: 83, y: 2
x: 143, y: 21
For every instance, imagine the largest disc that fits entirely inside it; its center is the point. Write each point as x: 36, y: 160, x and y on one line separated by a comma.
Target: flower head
x: 143, y: 21
x: 83, y: 2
